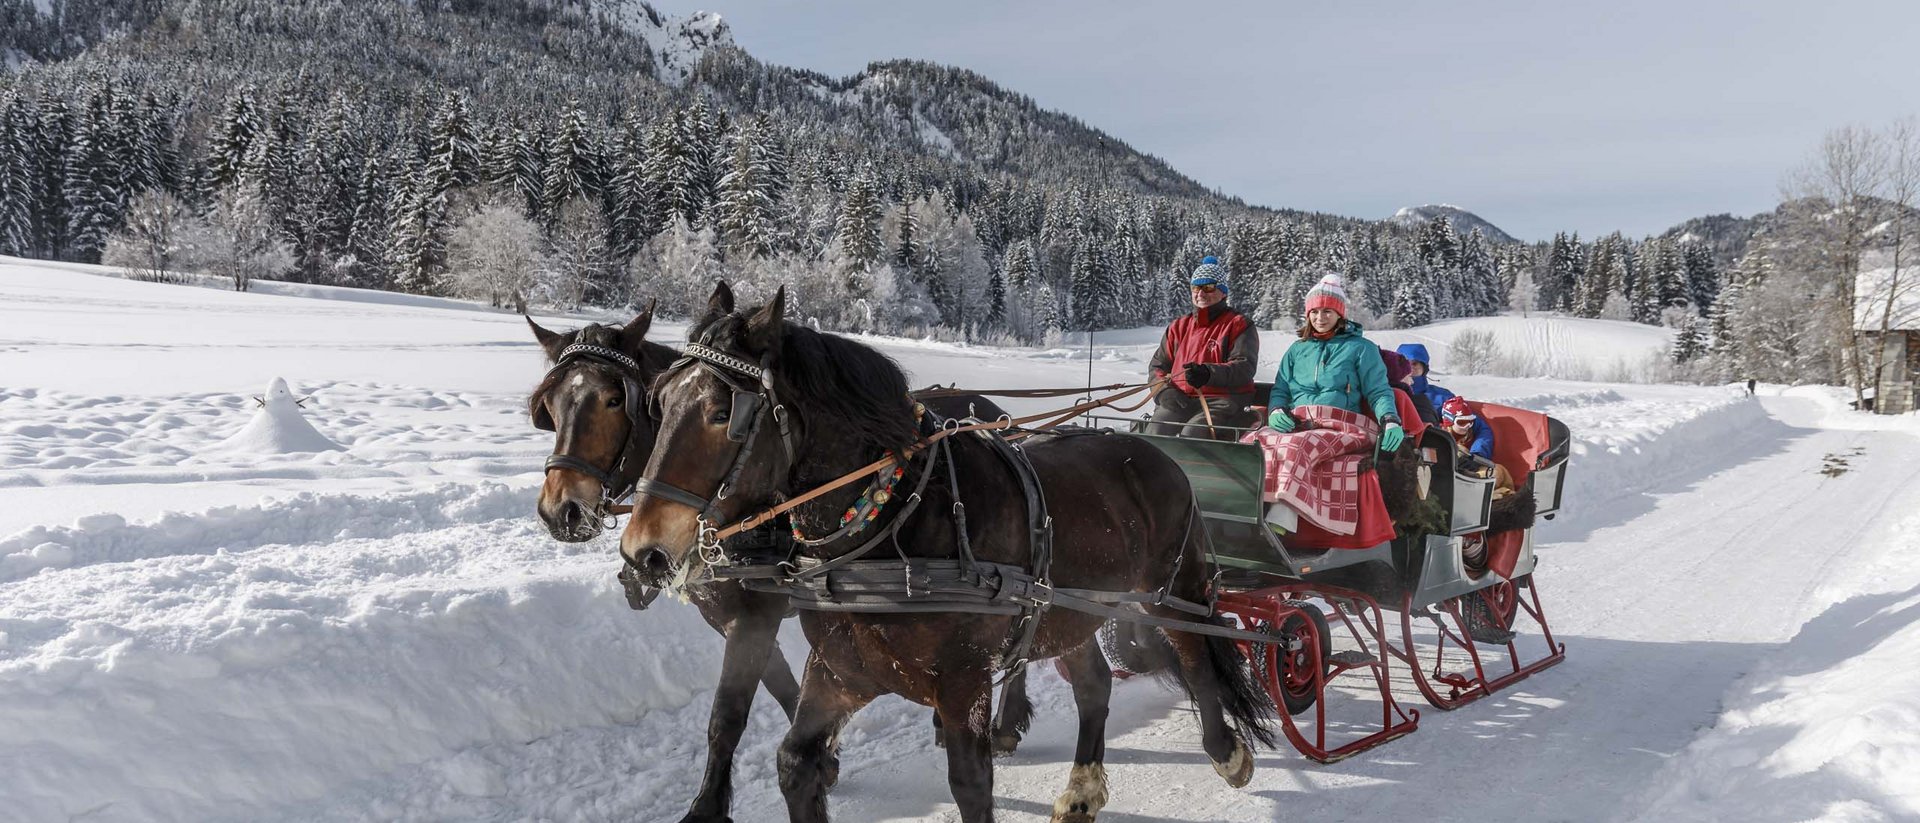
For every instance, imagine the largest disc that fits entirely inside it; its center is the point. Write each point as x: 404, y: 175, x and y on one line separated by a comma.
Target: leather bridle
x: 612, y: 488
x: 754, y: 401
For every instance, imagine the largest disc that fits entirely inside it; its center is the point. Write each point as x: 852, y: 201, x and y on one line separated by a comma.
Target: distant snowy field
x: 197, y: 624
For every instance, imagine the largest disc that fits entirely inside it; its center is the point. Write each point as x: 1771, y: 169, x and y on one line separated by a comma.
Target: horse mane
x: 851, y: 387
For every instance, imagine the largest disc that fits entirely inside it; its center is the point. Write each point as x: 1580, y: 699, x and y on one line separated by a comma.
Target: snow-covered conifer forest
x: 609, y: 154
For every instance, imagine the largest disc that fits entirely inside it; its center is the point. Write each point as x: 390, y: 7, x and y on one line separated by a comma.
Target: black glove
x: 1198, y: 375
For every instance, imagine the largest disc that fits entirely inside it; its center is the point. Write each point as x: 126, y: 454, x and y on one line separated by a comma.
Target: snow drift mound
x: 279, y: 427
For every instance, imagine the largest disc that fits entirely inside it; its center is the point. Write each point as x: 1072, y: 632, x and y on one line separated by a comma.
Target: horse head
x: 757, y: 409
x: 593, y: 400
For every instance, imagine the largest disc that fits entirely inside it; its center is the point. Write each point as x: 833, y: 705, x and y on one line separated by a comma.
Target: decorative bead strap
x: 720, y: 358
x: 598, y: 352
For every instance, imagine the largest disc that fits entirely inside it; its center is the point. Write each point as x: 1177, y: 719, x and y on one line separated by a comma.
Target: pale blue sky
x: 1539, y: 116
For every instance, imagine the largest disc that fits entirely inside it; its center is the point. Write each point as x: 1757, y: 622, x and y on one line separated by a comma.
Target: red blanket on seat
x: 1315, y: 470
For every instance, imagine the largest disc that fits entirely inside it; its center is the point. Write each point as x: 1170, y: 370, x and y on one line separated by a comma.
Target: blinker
x: 746, y: 406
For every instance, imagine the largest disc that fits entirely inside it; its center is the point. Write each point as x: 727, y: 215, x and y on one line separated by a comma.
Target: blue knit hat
x: 1210, y: 273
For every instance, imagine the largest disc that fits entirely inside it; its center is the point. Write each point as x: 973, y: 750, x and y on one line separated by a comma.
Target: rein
x: 1053, y: 418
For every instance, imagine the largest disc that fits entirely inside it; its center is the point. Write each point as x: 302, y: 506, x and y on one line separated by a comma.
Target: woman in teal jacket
x: 1330, y: 376
x: 1332, y: 365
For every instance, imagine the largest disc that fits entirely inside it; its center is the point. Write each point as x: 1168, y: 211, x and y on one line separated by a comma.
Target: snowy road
x: 1663, y: 603
x: 195, y: 631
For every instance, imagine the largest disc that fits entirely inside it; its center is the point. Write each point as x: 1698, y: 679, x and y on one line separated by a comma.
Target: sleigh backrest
x: 1533, y: 447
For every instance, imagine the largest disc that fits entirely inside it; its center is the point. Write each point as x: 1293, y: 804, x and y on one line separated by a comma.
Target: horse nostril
x: 656, y: 562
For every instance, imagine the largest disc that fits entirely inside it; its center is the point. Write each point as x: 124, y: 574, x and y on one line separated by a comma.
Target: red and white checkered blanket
x: 1317, y: 471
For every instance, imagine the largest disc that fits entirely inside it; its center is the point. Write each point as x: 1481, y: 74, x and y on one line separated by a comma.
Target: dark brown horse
x: 592, y: 399
x: 1122, y: 513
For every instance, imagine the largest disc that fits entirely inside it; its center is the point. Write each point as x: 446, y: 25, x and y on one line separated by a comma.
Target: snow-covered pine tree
x: 452, y: 147
x: 94, y: 186
x: 751, y: 191
x: 1564, y: 263
x: 1412, y: 299
x: 952, y: 269
x: 858, y: 228
x: 1047, y: 312
x: 629, y: 198
x: 16, y: 174
x: 573, y: 166
x: 53, y: 133
x: 1687, y: 342
x: 1596, y: 280
x: 240, y: 122
x: 1017, y: 270
x: 1481, y: 276
x: 1092, y: 286
x: 368, y: 238
x: 1662, y: 281
x: 1702, y: 275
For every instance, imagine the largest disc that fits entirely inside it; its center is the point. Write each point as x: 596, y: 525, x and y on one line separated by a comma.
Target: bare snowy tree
x: 239, y: 240
x: 1843, y: 178
x: 148, y: 247
x: 493, y: 255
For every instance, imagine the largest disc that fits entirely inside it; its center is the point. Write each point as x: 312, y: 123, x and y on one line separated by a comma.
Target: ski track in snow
x: 419, y: 649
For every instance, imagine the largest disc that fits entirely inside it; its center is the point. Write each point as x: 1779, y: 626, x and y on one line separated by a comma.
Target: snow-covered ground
x: 194, y: 627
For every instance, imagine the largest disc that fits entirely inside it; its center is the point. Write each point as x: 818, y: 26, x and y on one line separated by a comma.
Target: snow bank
x: 222, y: 685
x: 1828, y: 728
x: 302, y: 519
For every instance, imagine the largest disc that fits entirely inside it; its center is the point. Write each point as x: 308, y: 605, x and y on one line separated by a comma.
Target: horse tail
x: 1245, y: 702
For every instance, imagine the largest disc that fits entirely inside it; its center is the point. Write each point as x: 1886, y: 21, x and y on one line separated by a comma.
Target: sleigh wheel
x: 1285, y: 666
x: 1499, y: 604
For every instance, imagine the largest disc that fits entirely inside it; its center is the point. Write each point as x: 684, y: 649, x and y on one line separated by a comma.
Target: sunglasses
x: 1460, y: 422
x: 1206, y: 289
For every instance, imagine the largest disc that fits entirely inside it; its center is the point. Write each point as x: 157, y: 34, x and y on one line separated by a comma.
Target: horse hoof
x: 1005, y: 744
x: 1238, y: 770
x: 1073, y: 817
x: 693, y: 818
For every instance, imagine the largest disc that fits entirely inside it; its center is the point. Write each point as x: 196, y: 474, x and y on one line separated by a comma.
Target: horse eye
x: 616, y: 401
x: 720, y: 416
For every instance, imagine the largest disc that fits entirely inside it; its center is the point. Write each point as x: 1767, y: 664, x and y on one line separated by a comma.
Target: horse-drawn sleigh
x: 775, y: 467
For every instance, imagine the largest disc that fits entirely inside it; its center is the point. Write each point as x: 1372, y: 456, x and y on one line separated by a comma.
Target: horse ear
x: 718, y: 306
x: 635, y: 332
x: 764, y: 327
x: 722, y: 300
x: 551, y: 341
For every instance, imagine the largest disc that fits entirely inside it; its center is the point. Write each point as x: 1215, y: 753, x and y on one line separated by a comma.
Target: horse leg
x: 752, y: 650
x: 809, y: 761
x: 1092, y: 688
x: 965, y: 705
x: 771, y: 609
x: 1210, y: 669
x: 1016, y: 713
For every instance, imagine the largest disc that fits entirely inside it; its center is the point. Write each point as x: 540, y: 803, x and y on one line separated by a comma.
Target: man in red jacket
x: 1210, y: 356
